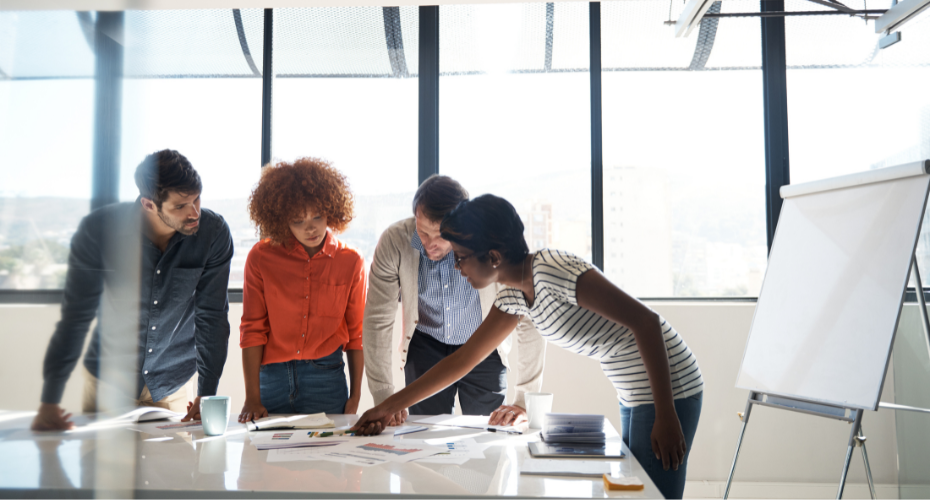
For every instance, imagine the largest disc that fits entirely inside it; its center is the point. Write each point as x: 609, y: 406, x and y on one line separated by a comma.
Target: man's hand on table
x: 399, y: 418
x: 193, y: 410
x: 507, y: 415
x: 52, y: 418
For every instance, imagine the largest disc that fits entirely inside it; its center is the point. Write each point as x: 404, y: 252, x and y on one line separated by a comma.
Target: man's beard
x: 179, y: 226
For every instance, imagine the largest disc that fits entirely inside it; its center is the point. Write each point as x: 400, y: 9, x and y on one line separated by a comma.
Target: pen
x: 491, y: 429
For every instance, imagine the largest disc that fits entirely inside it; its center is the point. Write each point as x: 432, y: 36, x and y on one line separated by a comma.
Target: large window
x: 46, y: 125
x: 853, y: 107
x: 347, y: 92
x: 197, y: 93
x: 514, y: 111
x: 684, y: 169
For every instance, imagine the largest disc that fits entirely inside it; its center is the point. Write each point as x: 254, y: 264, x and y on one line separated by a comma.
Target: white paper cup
x: 214, y: 414
x: 538, y: 404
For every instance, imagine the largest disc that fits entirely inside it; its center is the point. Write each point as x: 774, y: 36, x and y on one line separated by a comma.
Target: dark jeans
x: 637, y: 435
x: 481, y: 391
x: 305, y: 386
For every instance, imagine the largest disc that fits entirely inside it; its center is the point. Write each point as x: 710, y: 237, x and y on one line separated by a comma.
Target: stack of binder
x: 573, y: 428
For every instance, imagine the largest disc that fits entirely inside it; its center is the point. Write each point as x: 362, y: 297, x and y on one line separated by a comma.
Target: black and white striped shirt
x: 560, y: 320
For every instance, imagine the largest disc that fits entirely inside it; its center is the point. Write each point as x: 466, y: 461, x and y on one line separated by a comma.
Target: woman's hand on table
x: 507, y: 415
x: 352, y: 405
x: 252, y: 410
x: 373, y: 421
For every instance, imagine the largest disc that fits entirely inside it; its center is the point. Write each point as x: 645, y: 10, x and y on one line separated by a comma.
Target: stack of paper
x: 573, y: 428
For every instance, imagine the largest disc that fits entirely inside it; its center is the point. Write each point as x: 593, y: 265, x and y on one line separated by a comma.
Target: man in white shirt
x: 441, y: 310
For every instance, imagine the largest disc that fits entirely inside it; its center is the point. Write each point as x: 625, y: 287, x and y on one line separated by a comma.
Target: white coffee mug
x: 214, y: 414
x: 538, y: 404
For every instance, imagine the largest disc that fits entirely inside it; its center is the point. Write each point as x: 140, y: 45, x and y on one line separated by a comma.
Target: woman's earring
x: 494, y: 266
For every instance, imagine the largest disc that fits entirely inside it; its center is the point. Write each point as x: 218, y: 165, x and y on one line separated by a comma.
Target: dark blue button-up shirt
x: 183, y: 316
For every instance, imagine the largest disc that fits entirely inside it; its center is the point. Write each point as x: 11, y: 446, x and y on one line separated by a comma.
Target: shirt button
x: 307, y: 297
x: 446, y: 308
x: 146, y: 372
x: 448, y: 324
x: 445, y: 286
x: 302, y: 334
x: 305, y: 316
x: 157, y: 271
x: 153, y: 328
x: 298, y: 352
x: 150, y: 350
x: 156, y: 301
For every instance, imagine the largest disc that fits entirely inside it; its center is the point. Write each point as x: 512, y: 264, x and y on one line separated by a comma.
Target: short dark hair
x: 486, y: 223
x: 164, y: 171
x: 437, y: 196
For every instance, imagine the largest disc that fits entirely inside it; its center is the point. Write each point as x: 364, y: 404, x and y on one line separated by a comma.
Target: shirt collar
x: 417, y: 244
x: 329, y: 246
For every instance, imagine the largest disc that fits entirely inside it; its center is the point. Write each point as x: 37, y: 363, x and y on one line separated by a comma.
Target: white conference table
x: 192, y: 465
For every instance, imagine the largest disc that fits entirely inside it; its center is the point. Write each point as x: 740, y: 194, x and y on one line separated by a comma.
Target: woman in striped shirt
x: 575, y: 307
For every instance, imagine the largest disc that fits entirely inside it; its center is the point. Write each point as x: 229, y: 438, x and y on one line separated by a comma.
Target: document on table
x: 455, y: 453
x: 468, y: 421
x: 303, y: 438
x: 358, y: 451
x: 314, y: 421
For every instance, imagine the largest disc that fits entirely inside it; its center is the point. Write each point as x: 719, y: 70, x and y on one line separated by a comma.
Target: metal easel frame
x: 851, y: 415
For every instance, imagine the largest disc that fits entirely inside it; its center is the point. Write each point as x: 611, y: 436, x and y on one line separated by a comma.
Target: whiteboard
x: 825, y: 320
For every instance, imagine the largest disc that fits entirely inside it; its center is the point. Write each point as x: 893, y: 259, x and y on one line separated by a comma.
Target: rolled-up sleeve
x: 211, y: 313
x: 355, y: 307
x: 255, y: 326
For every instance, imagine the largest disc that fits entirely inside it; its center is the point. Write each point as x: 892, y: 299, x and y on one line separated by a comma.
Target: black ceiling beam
x: 244, y: 43
x: 706, y: 38
x: 797, y: 13
x: 394, y: 38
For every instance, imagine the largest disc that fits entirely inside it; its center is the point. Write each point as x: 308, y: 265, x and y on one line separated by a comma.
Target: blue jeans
x: 305, y: 386
x: 637, y: 425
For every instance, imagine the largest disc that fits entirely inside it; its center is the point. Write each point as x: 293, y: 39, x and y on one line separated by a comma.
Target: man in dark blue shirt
x: 180, y: 315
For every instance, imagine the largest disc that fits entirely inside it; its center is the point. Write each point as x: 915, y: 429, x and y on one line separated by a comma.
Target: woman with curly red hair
x: 304, y: 295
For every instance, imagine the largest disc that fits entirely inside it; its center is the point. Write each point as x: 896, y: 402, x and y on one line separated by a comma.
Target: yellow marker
x: 622, y: 483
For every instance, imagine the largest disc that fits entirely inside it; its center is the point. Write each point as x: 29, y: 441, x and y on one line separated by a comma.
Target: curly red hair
x: 286, y: 190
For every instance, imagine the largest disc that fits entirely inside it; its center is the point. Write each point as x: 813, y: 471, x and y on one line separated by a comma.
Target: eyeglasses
x: 458, y: 260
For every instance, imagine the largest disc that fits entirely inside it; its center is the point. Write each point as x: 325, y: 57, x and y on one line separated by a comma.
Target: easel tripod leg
x: 849, y: 450
x: 745, y: 418
x: 919, y: 289
x: 860, y: 439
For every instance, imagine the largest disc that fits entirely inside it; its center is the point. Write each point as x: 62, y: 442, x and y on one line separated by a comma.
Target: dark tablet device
x: 573, y: 450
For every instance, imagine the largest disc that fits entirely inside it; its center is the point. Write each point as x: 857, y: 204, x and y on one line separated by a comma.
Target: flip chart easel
x: 828, y: 311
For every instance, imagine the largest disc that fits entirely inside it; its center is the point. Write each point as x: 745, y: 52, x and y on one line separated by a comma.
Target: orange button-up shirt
x: 302, y: 307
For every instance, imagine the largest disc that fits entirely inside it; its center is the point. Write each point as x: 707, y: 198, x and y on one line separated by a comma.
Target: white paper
x: 297, y: 454
x: 385, y: 450
x: 314, y: 421
x: 565, y: 467
x: 456, y: 452
x: 469, y: 421
x: 298, y: 438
